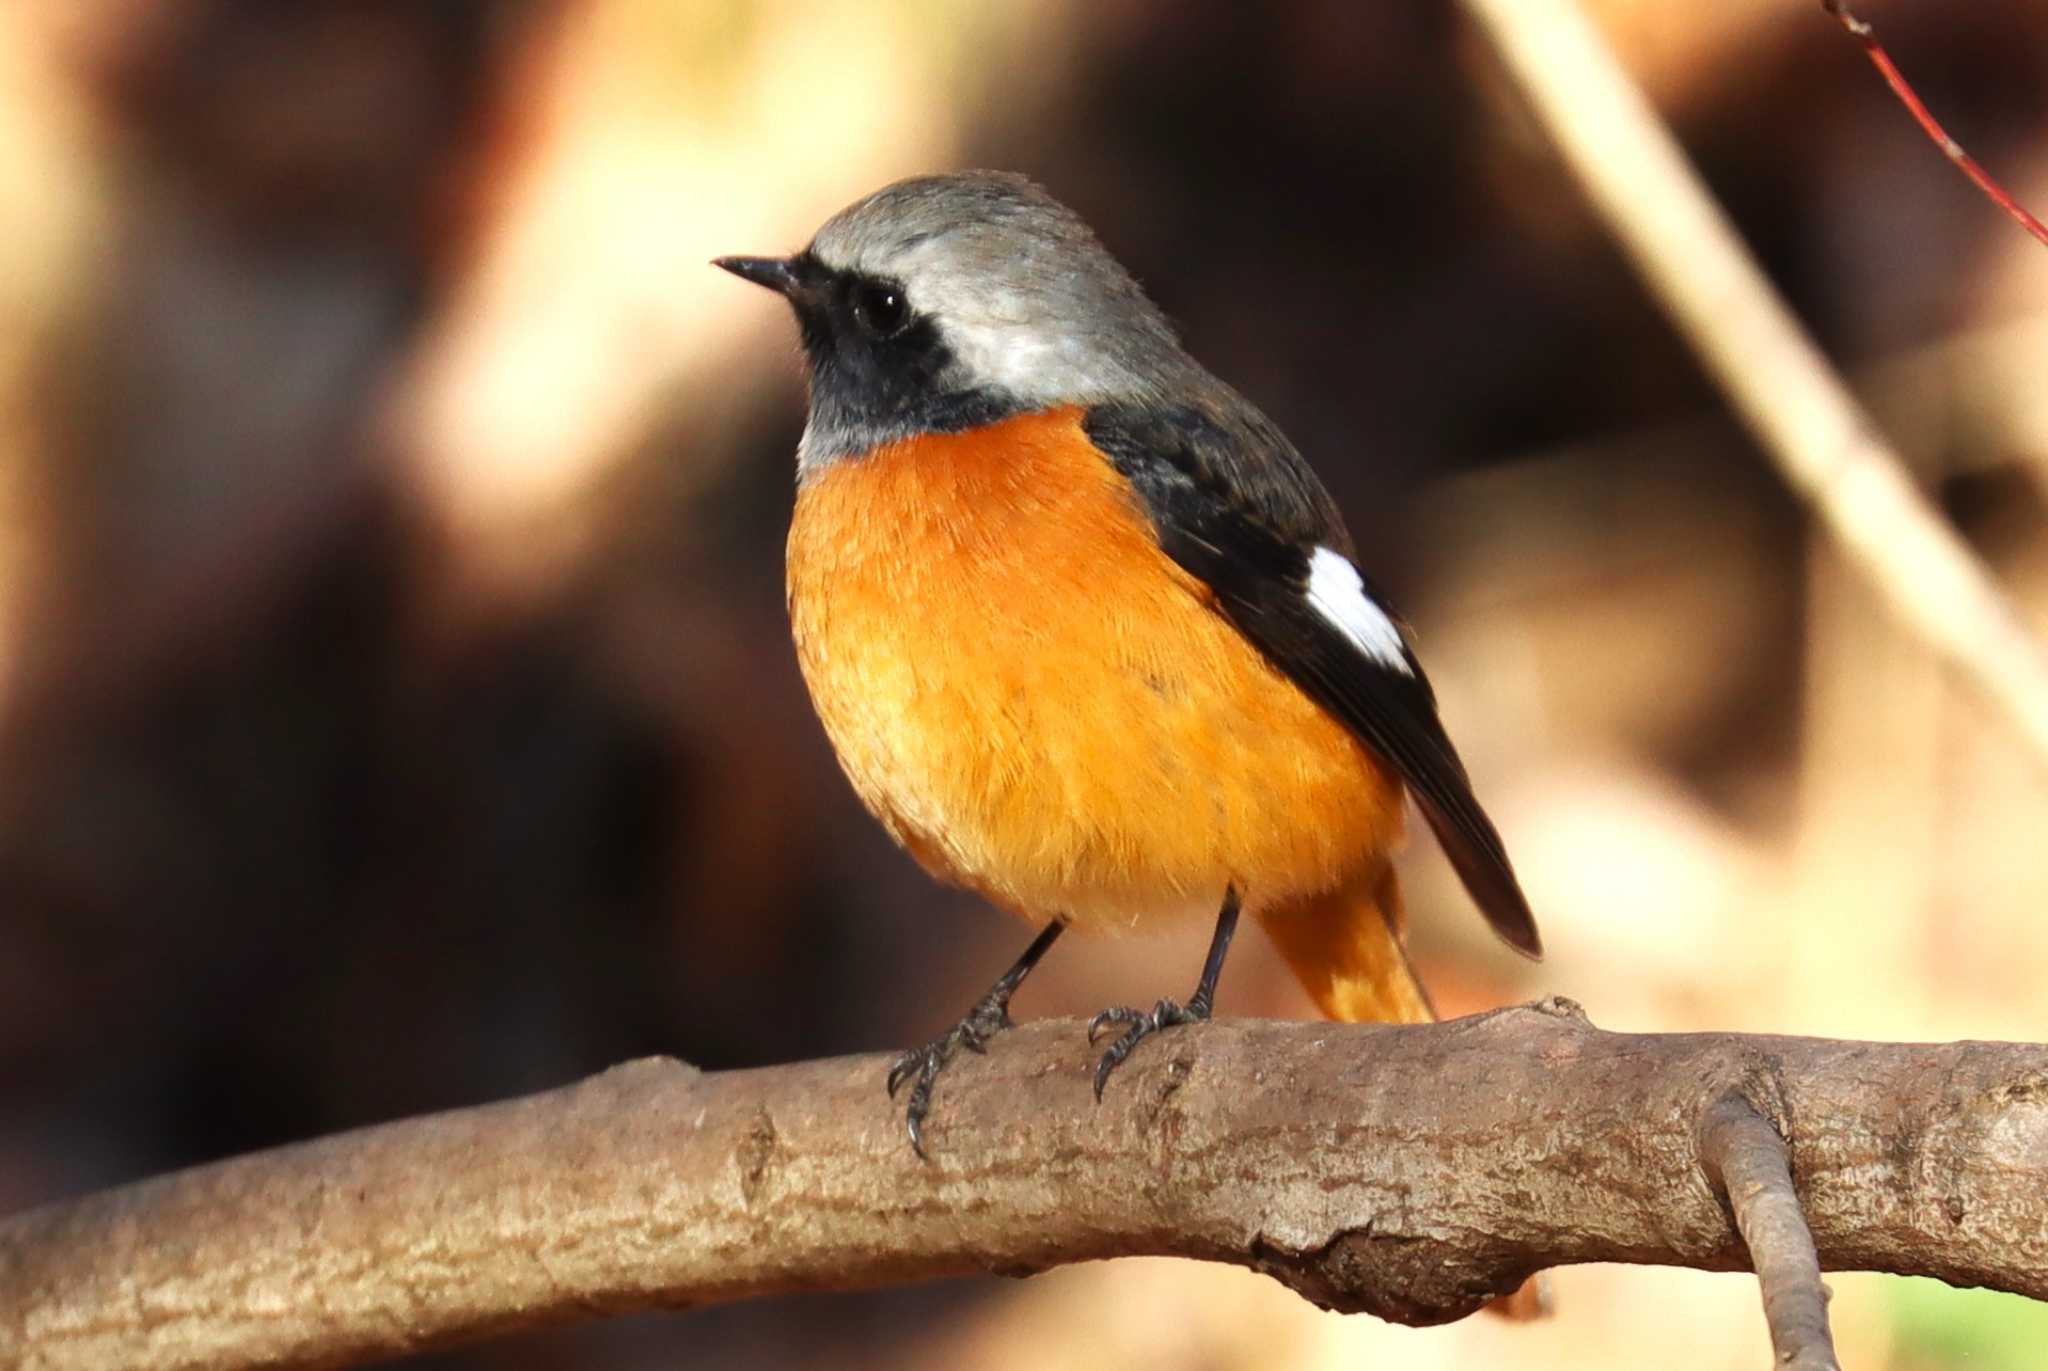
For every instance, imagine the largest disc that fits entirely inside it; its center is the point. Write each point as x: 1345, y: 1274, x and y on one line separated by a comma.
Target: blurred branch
x: 1407, y: 1171
x: 1864, y: 34
x: 1785, y: 390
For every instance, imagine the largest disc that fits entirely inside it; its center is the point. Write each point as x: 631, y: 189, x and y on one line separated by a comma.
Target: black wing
x: 1236, y: 505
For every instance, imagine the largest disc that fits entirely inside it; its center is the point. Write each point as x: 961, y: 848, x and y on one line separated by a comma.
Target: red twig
x: 1863, y: 33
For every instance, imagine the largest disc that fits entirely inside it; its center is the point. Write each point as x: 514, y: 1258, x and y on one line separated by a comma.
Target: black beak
x: 776, y: 273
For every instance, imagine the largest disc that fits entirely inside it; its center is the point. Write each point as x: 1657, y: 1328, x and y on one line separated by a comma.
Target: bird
x: 1087, y: 634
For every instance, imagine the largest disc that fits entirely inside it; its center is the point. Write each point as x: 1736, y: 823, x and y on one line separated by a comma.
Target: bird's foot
x: 922, y: 1065
x: 1138, y: 1027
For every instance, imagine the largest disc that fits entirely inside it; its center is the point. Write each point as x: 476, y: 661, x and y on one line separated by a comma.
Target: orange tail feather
x: 1346, y: 948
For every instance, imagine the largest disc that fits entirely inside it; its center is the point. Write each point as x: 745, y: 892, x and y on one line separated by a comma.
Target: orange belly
x: 1040, y: 705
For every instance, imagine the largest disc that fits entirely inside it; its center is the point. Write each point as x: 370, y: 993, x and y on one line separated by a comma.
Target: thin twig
x: 1412, y: 1172
x: 1746, y: 1160
x: 1801, y: 412
x: 1863, y: 33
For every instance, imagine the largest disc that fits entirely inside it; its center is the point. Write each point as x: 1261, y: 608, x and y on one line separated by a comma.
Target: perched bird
x: 1083, y: 627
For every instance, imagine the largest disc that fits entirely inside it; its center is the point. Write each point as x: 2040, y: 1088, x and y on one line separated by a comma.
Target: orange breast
x: 1039, y: 704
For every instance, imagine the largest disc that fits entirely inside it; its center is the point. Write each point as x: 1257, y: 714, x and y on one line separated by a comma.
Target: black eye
x: 880, y: 310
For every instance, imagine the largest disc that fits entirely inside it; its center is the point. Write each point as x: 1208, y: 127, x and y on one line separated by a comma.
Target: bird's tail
x: 1349, y: 950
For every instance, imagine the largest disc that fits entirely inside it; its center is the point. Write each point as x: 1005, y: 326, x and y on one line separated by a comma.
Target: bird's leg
x: 1166, y: 1013
x: 990, y: 1016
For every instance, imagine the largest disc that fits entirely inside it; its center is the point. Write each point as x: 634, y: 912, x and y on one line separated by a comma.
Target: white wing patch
x: 1337, y: 592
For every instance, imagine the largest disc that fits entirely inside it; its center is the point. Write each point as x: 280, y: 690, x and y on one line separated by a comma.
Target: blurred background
x: 396, y: 704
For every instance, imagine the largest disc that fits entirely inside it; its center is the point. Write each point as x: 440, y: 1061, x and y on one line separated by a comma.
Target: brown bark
x: 1411, y: 1171
x: 1747, y: 1161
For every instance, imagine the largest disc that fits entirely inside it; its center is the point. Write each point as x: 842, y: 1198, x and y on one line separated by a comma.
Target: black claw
x: 907, y: 1065
x: 1166, y: 1014
x: 990, y: 1016
x: 1108, y: 1017
x: 913, y: 1118
x: 925, y: 1063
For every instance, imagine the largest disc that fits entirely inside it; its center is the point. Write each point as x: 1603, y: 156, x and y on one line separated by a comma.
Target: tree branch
x: 1412, y: 1172
x: 1746, y: 1160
